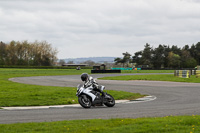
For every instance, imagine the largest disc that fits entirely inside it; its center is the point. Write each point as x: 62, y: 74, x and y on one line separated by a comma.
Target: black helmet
x: 84, y: 77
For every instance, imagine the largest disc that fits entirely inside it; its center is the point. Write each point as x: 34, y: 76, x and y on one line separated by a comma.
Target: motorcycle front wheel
x: 84, y: 101
x: 110, y: 102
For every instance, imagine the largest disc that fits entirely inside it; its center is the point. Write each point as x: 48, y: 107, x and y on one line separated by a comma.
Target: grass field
x: 168, y: 124
x: 17, y: 94
x: 147, y: 71
x: 167, y: 77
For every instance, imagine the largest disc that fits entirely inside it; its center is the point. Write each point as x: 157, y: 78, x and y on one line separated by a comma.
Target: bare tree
x: 25, y: 53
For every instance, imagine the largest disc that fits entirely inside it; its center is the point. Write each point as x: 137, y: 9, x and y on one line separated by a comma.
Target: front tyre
x: 110, y: 102
x: 84, y: 101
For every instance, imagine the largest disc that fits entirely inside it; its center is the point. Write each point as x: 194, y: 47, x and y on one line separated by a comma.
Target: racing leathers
x: 91, y: 82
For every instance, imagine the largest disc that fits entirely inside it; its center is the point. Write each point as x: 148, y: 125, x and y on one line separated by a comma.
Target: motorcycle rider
x: 89, y: 81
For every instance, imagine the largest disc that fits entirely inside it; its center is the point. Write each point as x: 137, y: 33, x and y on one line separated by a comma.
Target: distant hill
x: 94, y: 59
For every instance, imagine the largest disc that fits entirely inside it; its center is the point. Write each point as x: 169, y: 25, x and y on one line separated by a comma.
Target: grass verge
x: 168, y: 124
x: 166, y: 77
x: 17, y: 94
x: 147, y: 71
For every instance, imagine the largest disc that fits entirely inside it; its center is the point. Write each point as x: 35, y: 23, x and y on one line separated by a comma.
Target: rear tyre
x: 110, y: 102
x: 84, y: 101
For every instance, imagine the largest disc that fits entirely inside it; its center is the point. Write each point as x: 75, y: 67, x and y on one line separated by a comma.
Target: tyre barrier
x: 182, y: 73
x: 197, y: 73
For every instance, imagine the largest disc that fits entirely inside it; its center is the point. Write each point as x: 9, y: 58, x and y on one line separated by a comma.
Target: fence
x: 128, y: 68
x: 182, y: 73
x: 137, y: 69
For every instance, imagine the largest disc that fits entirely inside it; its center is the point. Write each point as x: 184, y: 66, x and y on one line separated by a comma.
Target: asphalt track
x: 172, y: 98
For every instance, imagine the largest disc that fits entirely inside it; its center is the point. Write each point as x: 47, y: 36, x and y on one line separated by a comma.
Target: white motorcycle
x: 88, y: 97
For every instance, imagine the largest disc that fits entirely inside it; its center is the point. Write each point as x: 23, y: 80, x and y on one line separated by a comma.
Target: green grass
x: 168, y: 124
x: 147, y: 71
x: 167, y: 77
x: 17, y: 94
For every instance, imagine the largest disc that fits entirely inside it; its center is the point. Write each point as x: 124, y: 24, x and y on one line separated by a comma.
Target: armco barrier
x: 182, y: 73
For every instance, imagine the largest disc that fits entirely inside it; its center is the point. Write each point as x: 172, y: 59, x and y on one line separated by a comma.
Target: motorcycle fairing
x: 87, y: 91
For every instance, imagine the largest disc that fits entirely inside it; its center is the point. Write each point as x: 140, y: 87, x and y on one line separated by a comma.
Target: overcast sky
x: 93, y: 28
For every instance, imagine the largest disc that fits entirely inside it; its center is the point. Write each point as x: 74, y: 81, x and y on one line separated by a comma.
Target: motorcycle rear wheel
x: 110, y: 102
x: 84, y: 101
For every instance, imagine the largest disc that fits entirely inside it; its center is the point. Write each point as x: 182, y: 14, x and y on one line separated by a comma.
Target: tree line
x: 164, y: 56
x: 38, y: 53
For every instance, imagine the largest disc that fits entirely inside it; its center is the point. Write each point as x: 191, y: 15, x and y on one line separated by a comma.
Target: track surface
x: 173, y: 98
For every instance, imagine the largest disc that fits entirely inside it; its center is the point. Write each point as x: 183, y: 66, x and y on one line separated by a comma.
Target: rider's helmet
x: 84, y: 77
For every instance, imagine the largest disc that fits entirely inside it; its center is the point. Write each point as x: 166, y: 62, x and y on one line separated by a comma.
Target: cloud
x: 85, y: 28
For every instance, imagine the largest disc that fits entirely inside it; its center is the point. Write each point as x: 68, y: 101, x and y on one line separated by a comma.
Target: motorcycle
x: 88, y: 97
